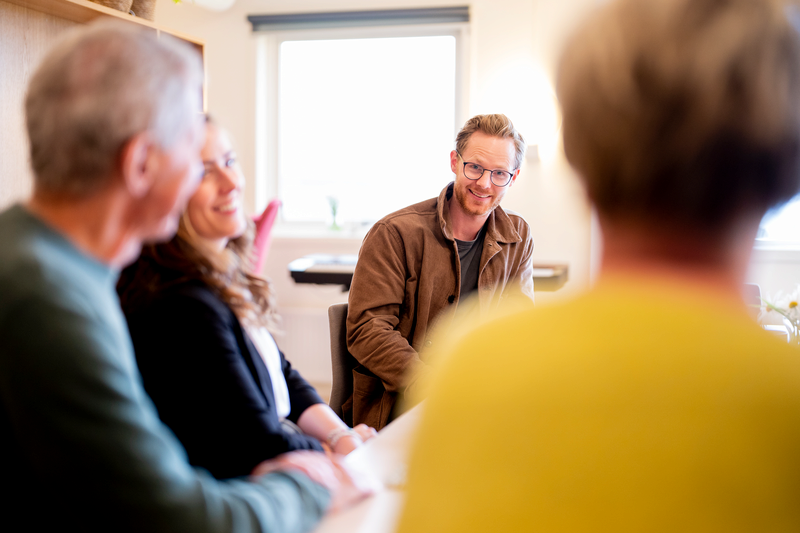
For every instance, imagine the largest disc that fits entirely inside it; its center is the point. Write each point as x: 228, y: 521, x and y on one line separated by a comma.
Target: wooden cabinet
x: 27, y: 30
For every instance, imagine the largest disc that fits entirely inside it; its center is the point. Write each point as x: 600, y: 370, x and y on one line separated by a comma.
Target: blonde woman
x: 200, y: 326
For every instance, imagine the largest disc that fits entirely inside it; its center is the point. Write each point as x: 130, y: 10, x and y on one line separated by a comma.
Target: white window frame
x: 267, y: 101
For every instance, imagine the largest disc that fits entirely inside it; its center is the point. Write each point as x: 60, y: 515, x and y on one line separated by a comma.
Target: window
x: 362, y: 119
x: 781, y: 227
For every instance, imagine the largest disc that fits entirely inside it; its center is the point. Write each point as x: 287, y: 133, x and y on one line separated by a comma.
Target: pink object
x: 264, y: 223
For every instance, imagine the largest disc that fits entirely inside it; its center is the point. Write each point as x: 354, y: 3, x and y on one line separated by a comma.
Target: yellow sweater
x: 638, y: 407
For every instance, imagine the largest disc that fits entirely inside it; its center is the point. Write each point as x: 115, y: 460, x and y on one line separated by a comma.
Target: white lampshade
x: 214, y: 5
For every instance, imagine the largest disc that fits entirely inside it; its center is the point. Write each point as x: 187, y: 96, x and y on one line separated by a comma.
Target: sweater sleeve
x: 93, y: 445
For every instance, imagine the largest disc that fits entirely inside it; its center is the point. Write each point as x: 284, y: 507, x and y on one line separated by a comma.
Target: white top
x: 269, y: 352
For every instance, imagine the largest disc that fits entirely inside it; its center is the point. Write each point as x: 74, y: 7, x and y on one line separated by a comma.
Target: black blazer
x: 209, y: 383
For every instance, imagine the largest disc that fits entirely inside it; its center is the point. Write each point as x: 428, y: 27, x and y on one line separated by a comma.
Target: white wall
x: 775, y: 271
x: 514, y: 47
x: 514, y: 50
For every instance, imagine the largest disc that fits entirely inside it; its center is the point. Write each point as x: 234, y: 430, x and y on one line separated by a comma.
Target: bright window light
x: 369, y: 122
x: 782, y: 225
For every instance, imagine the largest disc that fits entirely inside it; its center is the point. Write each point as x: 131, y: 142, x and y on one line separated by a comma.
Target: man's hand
x: 346, y: 486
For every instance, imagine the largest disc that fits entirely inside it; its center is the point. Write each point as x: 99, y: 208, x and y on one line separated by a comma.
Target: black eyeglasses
x: 473, y: 171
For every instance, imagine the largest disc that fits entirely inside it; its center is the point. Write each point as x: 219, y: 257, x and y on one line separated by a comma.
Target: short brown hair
x: 496, y: 126
x: 684, y: 111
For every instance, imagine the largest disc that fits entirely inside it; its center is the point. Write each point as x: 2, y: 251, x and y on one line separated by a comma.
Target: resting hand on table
x: 365, y: 432
x: 345, y: 440
x: 347, y: 487
x: 321, y: 422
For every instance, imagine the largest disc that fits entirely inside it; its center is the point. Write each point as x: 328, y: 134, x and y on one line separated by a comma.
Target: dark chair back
x: 343, y: 363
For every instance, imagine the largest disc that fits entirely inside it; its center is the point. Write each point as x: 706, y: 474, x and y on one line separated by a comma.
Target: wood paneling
x: 28, y: 28
x: 25, y: 36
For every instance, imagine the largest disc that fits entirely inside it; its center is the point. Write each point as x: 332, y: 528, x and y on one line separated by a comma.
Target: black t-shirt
x: 469, y: 255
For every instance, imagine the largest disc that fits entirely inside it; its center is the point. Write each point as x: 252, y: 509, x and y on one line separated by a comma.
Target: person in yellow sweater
x: 653, y: 402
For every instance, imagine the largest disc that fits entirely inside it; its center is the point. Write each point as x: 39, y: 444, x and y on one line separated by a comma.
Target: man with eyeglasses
x: 419, y: 262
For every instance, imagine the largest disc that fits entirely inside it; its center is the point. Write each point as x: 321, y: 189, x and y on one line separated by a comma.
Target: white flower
x: 785, y: 304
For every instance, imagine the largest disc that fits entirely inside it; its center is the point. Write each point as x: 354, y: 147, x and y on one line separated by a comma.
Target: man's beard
x: 462, y: 197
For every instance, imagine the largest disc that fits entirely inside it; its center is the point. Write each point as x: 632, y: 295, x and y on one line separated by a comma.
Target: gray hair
x: 98, y: 87
x: 684, y: 112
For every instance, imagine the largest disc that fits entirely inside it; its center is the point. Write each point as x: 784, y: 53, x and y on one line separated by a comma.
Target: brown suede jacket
x: 408, y: 274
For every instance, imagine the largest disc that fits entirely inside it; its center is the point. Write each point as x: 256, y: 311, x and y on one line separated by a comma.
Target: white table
x: 385, y: 456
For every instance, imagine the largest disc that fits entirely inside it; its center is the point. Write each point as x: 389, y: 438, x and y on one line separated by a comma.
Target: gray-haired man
x: 115, y: 133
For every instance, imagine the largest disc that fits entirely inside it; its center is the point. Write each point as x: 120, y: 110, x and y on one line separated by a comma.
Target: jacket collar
x: 499, y: 226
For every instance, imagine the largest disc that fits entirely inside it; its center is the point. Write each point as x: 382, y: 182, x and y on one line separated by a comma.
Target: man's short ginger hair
x: 684, y: 111
x: 495, y: 126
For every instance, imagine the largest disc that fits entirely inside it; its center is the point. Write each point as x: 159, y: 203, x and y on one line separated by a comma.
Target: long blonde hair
x: 185, y: 257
